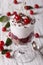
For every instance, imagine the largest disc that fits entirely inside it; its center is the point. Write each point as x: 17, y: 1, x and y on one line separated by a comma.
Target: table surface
x: 38, y: 28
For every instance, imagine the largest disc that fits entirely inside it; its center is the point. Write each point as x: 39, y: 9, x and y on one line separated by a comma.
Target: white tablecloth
x: 5, y: 6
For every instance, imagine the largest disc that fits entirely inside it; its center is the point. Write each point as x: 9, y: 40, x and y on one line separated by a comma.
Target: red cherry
x: 31, y: 12
x: 26, y: 21
x: 17, y: 17
x: 37, y: 35
x: 15, y: 2
x: 36, y: 6
x: 1, y: 48
x: 8, y: 54
x: 26, y: 7
x: 8, y: 14
x: 4, y: 29
x: 14, y: 13
x: 1, y: 43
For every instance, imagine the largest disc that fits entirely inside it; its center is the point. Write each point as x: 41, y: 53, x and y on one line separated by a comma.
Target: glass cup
x: 24, y: 49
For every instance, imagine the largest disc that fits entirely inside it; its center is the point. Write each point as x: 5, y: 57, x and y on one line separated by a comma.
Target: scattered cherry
x: 28, y: 7
x: 1, y: 43
x: 31, y: 12
x: 4, y: 29
x: 17, y: 17
x: 15, y: 2
x: 8, y: 14
x: 8, y: 54
x: 36, y: 35
x: 1, y: 48
x: 36, y: 6
x: 26, y: 21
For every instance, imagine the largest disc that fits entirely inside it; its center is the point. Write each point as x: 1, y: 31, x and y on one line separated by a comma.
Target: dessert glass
x: 24, y: 49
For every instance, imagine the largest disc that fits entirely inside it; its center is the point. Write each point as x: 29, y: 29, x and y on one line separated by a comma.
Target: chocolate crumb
x: 12, y: 21
x: 15, y: 24
x: 19, y: 25
x: 25, y: 27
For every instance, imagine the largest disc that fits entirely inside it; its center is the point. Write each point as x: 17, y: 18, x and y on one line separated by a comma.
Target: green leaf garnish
x: 5, y: 50
x: 7, y: 25
x: 8, y: 42
x: 4, y: 18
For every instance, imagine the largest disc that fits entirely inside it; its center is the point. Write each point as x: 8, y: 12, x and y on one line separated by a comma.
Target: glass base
x: 25, y: 53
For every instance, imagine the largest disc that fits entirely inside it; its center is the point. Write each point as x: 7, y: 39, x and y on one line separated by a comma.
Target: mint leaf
x: 5, y: 50
x: 8, y: 42
x: 7, y: 25
x: 4, y: 18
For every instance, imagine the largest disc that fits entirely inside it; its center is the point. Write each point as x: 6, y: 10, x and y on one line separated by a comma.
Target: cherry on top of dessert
x: 27, y: 21
x: 22, y: 18
x: 17, y: 17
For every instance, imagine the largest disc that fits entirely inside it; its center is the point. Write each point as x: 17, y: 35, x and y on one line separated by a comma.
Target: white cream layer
x: 21, y: 32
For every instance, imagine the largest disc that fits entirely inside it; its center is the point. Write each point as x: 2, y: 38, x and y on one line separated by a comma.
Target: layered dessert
x: 22, y: 26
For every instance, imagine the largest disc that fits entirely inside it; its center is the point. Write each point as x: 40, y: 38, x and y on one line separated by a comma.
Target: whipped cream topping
x: 21, y: 31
